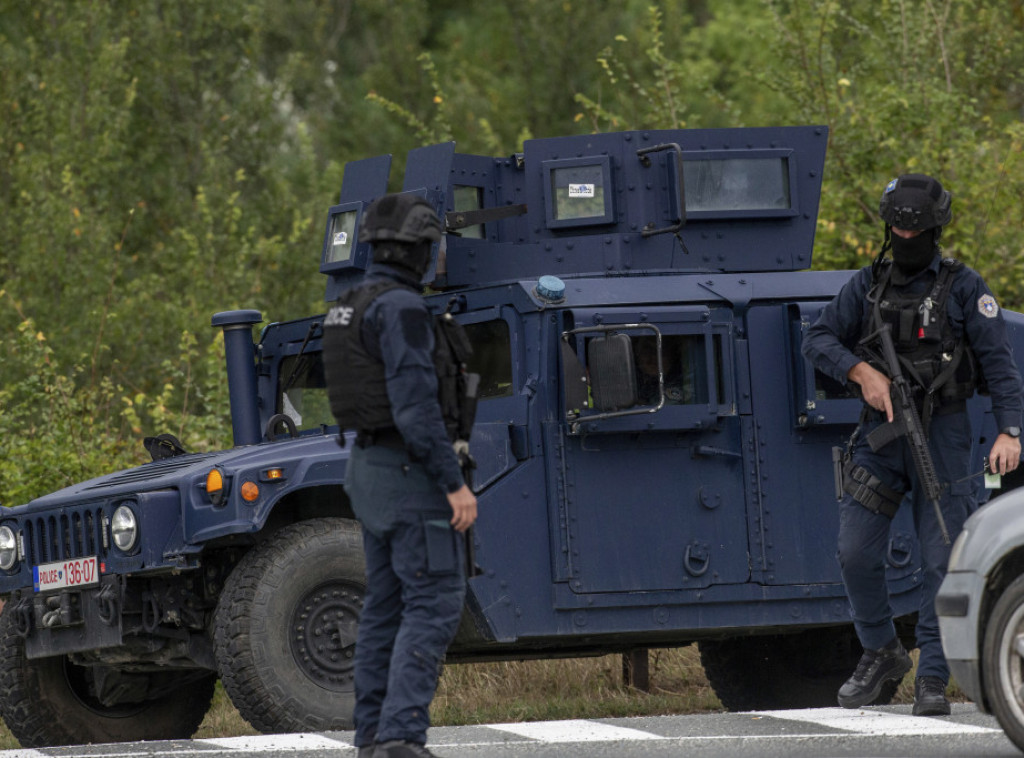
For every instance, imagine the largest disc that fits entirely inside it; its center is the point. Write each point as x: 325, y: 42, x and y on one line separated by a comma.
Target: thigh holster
x: 870, y: 491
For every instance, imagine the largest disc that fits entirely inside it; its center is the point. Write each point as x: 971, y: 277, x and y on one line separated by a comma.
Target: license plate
x: 79, y: 572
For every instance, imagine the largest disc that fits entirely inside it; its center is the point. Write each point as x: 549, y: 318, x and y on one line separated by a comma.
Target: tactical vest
x: 934, y: 359
x: 355, y: 380
x: 356, y: 385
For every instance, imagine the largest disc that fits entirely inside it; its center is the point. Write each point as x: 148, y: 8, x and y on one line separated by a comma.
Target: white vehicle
x: 981, y: 611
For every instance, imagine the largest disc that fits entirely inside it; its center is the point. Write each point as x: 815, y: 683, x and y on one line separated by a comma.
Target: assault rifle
x: 906, y: 422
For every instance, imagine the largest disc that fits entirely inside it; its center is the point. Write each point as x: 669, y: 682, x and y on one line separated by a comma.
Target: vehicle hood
x: 171, y: 472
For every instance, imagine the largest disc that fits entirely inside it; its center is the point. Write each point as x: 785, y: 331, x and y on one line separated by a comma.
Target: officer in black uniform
x: 403, y: 478
x: 949, y: 335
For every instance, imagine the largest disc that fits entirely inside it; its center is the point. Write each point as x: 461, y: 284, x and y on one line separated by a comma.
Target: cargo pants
x: 415, y: 588
x: 864, y: 535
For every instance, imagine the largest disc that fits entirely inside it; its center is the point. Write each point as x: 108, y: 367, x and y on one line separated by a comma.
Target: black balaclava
x: 913, y: 255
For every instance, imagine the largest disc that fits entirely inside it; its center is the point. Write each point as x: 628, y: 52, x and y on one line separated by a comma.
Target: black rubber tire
x: 303, y: 586
x: 45, y: 702
x: 1002, y: 661
x: 782, y: 672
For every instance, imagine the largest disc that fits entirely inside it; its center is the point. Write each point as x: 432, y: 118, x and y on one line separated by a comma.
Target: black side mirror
x: 612, y: 372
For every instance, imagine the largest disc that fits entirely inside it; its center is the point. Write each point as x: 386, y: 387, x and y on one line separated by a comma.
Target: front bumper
x: 958, y: 605
x: 69, y: 620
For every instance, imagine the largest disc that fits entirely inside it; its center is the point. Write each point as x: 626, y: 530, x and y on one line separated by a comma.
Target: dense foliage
x: 163, y: 161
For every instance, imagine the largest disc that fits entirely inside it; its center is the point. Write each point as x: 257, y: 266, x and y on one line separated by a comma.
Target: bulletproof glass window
x: 467, y: 198
x: 818, y: 399
x: 578, y: 191
x: 302, y: 392
x: 759, y: 184
x: 610, y: 371
x: 492, y: 357
x: 683, y: 364
x: 340, y: 239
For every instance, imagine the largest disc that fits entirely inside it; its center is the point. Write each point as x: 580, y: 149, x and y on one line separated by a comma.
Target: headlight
x: 124, y: 528
x: 8, y: 548
x: 958, y: 548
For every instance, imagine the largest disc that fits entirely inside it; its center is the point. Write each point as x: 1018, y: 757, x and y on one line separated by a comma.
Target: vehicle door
x: 652, y: 477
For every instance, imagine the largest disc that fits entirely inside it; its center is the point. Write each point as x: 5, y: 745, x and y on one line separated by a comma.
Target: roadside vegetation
x: 187, y: 168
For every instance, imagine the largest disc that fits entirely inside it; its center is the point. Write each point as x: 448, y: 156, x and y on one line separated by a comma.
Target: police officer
x: 946, y: 325
x: 403, y: 478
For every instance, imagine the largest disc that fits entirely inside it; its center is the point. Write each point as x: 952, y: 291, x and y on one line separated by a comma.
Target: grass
x: 478, y: 693
x: 481, y: 693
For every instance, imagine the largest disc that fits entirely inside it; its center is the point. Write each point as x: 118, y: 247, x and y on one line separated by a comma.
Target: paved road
x: 814, y: 733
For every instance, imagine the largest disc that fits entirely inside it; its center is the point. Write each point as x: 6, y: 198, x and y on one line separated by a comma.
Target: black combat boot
x: 876, y: 667
x: 401, y: 749
x: 366, y: 751
x: 930, y: 697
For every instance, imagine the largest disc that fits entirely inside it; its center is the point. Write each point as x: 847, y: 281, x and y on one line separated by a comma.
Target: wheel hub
x: 323, y: 634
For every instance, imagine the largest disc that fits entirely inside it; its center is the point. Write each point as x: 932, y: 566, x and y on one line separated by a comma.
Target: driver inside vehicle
x: 677, y: 389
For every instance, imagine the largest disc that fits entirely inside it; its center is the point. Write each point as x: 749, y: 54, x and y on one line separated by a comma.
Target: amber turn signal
x: 215, y: 486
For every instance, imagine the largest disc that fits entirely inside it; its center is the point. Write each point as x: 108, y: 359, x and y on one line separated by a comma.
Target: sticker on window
x: 341, y: 238
x: 581, y: 190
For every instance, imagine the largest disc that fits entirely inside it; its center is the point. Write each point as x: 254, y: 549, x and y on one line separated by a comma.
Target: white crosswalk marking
x: 265, y: 743
x: 873, y: 722
x: 576, y: 730
x: 844, y: 727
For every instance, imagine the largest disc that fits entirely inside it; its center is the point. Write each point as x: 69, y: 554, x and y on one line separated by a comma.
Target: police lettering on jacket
x: 356, y: 383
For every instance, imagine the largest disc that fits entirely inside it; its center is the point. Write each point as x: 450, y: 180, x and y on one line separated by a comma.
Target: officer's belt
x: 387, y: 437
x: 870, y: 491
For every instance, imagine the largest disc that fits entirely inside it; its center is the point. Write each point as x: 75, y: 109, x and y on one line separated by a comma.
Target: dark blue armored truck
x: 653, y: 455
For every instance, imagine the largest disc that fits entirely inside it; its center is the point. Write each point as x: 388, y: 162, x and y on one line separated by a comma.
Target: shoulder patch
x: 987, y: 306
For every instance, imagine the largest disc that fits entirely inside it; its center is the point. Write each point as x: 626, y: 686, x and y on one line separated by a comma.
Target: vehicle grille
x: 58, y: 537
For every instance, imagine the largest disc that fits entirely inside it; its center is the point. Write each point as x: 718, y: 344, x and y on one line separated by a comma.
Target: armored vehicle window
x: 681, y: 357
x: 578, y: 191
x: 818, y: 399
x: 341, y: 237
x: 467, y: 198
x: 340, y: 249
x: 737, y: 184
x: 302, y: 391
x: 492, y: 357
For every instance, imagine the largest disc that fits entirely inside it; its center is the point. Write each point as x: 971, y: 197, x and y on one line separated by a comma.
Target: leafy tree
x: 915, y: 85
x: 163, y: 161
x: 933, y: 86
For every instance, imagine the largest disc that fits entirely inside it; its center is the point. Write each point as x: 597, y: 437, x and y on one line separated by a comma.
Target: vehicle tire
x: 46, y: 701
x: 781, y: 672
x: 286, y: 628
x: 1002, y: 661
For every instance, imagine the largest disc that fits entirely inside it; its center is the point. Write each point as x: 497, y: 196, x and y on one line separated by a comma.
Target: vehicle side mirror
x: 612, y: 372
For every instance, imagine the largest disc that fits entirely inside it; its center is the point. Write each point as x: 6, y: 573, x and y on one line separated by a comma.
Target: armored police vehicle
x: 653, y: 458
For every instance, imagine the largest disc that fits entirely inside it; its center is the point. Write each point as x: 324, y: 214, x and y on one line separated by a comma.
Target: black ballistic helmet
x: 400, y: 218
x: 402, y: 229
x: 915, y: 202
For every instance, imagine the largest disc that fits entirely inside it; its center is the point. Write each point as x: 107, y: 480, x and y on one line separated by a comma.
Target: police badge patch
x: 987, y: 306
